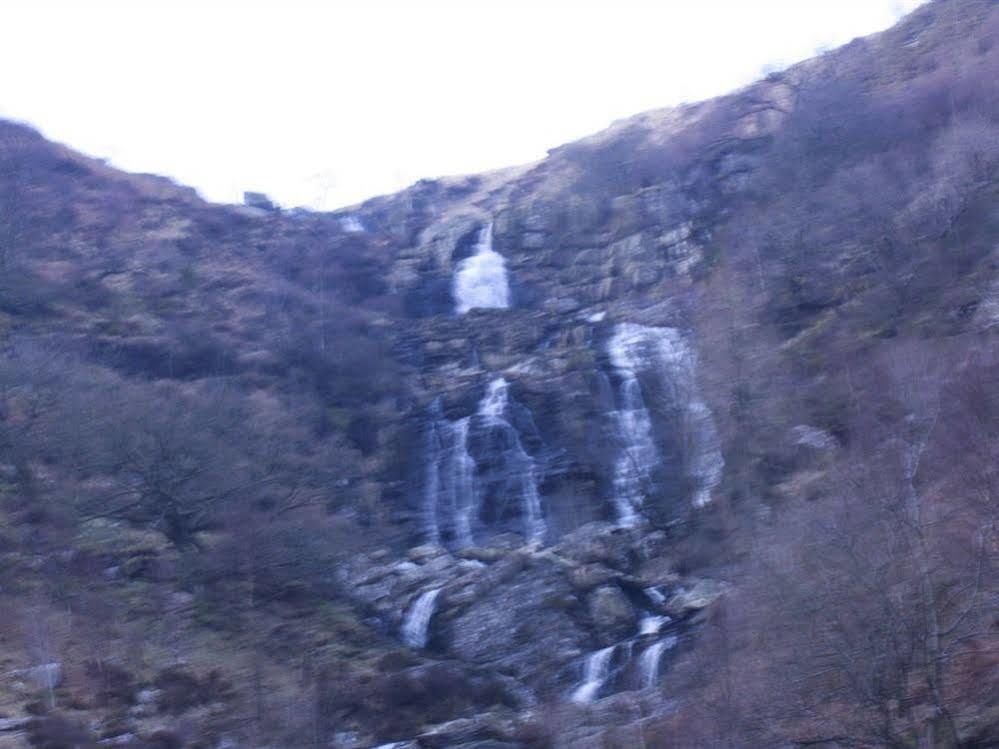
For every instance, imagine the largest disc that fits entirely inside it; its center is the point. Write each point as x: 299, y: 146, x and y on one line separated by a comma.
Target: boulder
x: 14, y: 724
x: 45, y: 676
x: 598, y: 542
x: 589, y: 576
x: 523, y: 625
x: 610, y: 610
x: 485, y: 731
x: 698, y: 596
x: 426, y: 552
x: 676, y: 235
x: 532, y: 240
x: 488, y: 554
x: 813, y: 437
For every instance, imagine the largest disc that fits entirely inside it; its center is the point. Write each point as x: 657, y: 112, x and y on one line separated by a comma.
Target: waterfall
x: 648, y: 662
x: 595, y: 673
x: 599, y: 670
x: 463, y: 484
x: 449, y: 489
x: 651, y: 624
x: 416, y: 625
x: 477, y: 459
x: 351, y: 224
x: 481, y: 280
x: 637, y: 453
x: 634, y: 349
x: 655, y: 595
x: 432, y: 482
x: 517, y: 464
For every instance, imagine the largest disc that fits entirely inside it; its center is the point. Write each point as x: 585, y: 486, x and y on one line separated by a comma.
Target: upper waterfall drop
x: 480, y: 281
x: 352, y: 224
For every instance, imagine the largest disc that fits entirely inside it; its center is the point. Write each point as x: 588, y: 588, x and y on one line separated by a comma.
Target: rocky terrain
x: 685, y: 436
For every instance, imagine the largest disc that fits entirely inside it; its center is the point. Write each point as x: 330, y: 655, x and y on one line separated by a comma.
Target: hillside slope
x: 685, y: 436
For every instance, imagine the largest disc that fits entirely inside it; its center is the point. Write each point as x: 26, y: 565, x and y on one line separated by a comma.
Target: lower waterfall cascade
x: 482, y: 474
x: 651, y: 658
x: 416, y: 625
x: 599, y: 670
x: 596, y: 669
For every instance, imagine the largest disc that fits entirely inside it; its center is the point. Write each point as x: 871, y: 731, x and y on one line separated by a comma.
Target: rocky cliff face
x: 549, y: 414
x: 631, y: 258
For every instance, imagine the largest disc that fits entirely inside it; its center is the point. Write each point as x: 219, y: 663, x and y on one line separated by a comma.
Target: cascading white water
x: 463, y: 483
x: 595, y: 672
x: 494, y: 402
x: 449, y: 489
x: 638, y: 452
x: 352, y: 224
x: 597, y: 668
x: 655, y: 595
x: 432, y: 482
x: 453, y: 491
x: 650, y: 624
x: 493, y: 409
x: 633, y: 349
x: 648, y: 662
x: 481, y: 280
x: 416, y: 625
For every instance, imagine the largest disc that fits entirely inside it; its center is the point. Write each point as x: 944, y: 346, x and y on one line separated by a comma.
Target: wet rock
x: 14, y: 724
x: 563, y: 305
x: 525, y: 625
x: 598, y: 542
x: 698, y: 596
x: 45, y: 676
x: 499, y: 547
x: 439, y: 566
x: 588, y: 576
x: 676, y: 235
x: 644, y: 275
x: 485, y: 731
x: 532, y: 240
x: 611, y: 611
x: 813, y: 437
x: 345, y: 740
x: 629, y: 247
x: 425, y: 553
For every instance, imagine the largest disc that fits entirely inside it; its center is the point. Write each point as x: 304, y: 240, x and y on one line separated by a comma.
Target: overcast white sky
x: 327, y: 103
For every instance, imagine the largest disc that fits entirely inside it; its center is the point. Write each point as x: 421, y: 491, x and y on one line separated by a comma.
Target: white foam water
x: 481, y: 280
x: 416, y: 625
